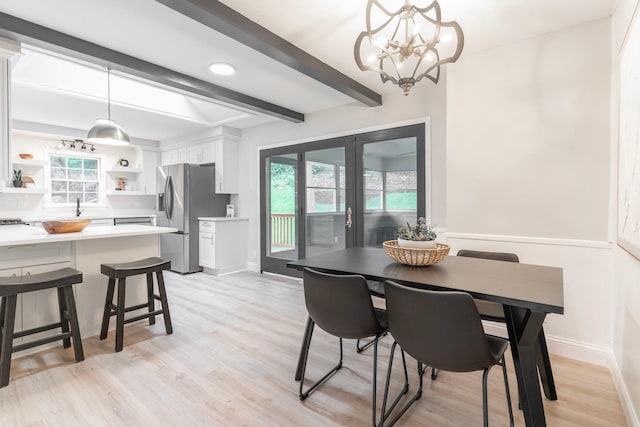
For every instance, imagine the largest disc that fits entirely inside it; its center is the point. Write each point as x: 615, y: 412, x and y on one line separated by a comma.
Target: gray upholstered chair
x: 341, y: 306
x: 442, y: 330
x: 494, y: 312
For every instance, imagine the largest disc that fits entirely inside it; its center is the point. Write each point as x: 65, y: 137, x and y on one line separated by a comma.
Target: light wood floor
x: 231, y: 362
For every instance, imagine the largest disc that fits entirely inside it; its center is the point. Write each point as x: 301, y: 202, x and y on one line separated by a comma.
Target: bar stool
x: 11, y: 287
x: 121, y: 271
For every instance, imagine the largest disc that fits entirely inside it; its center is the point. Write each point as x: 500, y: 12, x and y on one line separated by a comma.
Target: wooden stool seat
x: 121, y: 271
x: 10, y: 287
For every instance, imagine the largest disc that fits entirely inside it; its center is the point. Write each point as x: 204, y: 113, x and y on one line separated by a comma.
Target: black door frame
x: 354, y: 180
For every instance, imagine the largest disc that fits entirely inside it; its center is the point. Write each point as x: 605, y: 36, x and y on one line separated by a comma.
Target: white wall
x: 626, y: 278
x: 528, y: 137
x: 425, y: 100
x: 528, y: 169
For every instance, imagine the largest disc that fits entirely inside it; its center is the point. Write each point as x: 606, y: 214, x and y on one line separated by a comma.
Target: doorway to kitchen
x: 332, y: 194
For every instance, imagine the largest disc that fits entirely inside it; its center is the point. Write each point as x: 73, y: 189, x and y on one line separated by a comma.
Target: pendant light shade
x: 106, y: 131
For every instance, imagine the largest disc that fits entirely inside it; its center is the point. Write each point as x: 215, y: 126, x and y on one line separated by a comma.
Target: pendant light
x: 107, y: 131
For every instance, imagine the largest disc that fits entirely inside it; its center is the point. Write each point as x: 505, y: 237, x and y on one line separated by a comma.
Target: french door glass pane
x: 282, y: 207
x: 390, y: 193
x: 325, y: 190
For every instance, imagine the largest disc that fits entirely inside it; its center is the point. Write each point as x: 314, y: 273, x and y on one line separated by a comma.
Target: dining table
x: 527, y: 293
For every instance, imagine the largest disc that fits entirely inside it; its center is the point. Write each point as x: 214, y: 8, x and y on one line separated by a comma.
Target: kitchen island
x: 28, y: 250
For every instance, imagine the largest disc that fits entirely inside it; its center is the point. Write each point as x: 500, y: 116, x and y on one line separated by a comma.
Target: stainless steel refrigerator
x: 185, y: 192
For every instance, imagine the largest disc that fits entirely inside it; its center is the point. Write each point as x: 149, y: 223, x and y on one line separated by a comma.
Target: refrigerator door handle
x: 168, y: 191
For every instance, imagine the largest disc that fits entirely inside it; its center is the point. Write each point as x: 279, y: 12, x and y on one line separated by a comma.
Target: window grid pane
x: 73, y: 178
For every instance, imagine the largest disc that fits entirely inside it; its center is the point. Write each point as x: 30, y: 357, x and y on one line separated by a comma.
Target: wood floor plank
x: 231, y: 361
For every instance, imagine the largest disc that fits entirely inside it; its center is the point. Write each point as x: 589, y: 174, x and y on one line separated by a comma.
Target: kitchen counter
x: 221, y: 218
x: 28, y: 250
x: 14, y: 235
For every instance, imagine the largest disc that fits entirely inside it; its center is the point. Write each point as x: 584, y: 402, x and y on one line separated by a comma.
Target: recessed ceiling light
x: 222, y: 69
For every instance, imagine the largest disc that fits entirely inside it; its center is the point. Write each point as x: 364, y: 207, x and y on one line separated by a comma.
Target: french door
x: 333, y: 194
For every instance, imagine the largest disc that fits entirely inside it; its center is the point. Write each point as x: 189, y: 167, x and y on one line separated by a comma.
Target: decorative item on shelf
x: 65, y: 226
x: 230, y: 211
x: 107, y: 131
x: 408, y: 44
x: 25, y: 156
x: 420, y: 235
x: 122, y: 184
x: 415, y: 256
x: 27, y: 182
x: 123, y: 162
x: 17, y: 178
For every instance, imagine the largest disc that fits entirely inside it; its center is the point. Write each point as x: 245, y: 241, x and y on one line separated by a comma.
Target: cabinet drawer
x: 208, y: 226
x: 27, y: 255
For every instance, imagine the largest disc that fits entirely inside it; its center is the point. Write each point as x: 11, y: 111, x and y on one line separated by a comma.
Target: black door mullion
x: 301, y: 191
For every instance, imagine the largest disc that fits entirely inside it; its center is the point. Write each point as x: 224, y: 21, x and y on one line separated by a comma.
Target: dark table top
x: 533, y: 287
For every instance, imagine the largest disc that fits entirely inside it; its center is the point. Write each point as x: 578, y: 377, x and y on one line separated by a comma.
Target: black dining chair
x: 341, y: 306
x: 494, y: 312
x: 442, y: 330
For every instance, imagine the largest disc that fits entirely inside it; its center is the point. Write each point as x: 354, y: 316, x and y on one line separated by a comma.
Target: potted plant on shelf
x: 17, y: 178
x: 419, y: 236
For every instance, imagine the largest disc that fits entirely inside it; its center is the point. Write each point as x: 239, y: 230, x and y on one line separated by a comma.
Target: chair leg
x: 164, y: 302
x: 506, y: 387
x: 72, y: 315
x: 360, y: 349
x: 150, y: 298
x: 304, y: 394
x: 434, y: 373
x: 64, y: 317
x: 385, y: 413
x: 122, y: 284
x: 485, y: 405
x: 9, y: 309
x: 107, y: 308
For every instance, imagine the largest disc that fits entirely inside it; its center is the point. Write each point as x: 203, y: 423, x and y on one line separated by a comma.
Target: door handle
x: 169, y: 198
x: 349, y: 223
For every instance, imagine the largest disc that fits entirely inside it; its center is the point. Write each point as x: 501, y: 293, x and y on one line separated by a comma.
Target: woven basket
x: 412, y: 256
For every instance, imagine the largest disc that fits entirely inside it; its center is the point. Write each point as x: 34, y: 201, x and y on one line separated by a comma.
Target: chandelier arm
x: 367, y: 67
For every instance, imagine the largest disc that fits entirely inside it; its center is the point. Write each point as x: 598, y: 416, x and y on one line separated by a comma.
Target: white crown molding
x: 212, y: 134
x: 9, y: 48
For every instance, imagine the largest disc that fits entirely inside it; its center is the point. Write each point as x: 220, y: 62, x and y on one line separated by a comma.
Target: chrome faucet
x: 78, y: 210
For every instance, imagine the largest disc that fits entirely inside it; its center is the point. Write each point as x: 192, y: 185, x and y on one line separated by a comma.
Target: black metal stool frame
x: 63, y: 280
x: 119, y: 309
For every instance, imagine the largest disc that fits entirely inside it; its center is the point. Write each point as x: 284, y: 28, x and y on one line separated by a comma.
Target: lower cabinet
x: 223, y: 245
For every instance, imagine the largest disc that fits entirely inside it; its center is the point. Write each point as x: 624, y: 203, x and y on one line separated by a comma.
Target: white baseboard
x: 625, y: 399
x: 596, y: 355
x: 253, y: 266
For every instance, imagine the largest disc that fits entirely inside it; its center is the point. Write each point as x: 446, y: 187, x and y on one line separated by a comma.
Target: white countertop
x: 13, y: 235
x: 221, y: 218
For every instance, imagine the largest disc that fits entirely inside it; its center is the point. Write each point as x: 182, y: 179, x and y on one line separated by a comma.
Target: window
x: 401, y: 189
x: 321, y: 187
x: 373, y: 190
x: 73, y: 177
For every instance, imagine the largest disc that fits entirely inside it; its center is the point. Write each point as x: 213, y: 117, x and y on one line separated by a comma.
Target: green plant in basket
x: 420, y: 232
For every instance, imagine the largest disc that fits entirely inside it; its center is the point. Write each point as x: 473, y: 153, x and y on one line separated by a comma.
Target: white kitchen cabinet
x: 223, y: 245
x: 173, y: 157
x: 201, y: 153
x: 227, y: 167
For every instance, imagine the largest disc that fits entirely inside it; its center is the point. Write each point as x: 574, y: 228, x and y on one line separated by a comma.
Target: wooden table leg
x: 304, y: 349
x: 523, y: 337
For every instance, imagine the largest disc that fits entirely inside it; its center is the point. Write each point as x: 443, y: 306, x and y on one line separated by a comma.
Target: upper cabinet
x: 227, y: 171
x: 219, y: 146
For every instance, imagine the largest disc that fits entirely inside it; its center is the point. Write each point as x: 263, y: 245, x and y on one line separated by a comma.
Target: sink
x: 65, y: 226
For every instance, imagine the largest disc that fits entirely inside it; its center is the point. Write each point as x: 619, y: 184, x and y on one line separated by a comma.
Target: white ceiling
x: 326, y: 29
